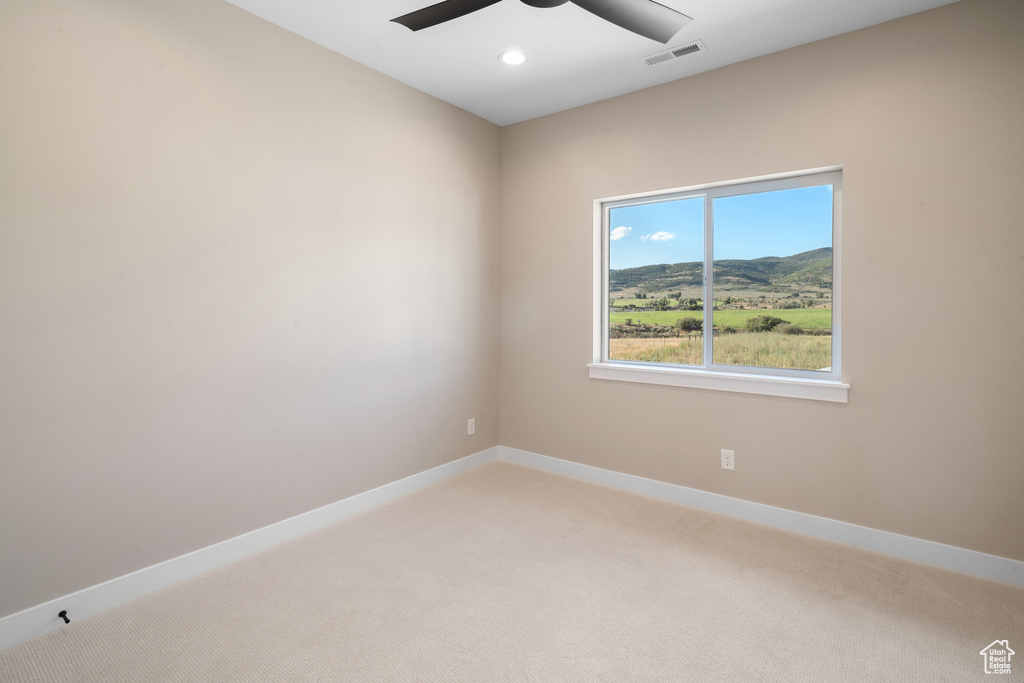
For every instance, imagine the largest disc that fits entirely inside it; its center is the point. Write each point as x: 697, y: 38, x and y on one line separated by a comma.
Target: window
x: 732, y: 286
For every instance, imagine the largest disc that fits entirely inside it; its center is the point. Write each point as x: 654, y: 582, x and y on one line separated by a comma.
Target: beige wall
x: 925, y: 115
x: 241, y: 277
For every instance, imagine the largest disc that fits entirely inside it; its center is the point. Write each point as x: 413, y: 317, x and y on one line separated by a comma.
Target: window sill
x: 766, y: 385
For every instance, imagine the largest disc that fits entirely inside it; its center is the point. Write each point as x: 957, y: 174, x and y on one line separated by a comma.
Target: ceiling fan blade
x: 441, y: 12
x: 646, y: 17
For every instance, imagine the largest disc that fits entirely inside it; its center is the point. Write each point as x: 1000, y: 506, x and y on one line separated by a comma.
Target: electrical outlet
x: 728, y: 459
x: 471, y: 426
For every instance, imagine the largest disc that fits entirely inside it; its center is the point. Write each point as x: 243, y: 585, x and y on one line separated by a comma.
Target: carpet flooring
x: 505, y: 573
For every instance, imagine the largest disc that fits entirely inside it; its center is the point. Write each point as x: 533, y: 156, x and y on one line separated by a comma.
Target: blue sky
x: 780, y: 223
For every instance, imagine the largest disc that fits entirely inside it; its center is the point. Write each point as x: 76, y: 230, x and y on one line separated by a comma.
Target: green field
x: 807, y: 318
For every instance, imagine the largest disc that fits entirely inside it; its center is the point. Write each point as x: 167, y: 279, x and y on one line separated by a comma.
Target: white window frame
x: 805, y: 384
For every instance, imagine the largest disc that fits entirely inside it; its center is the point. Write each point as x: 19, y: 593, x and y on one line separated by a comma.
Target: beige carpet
x: 509, y: 574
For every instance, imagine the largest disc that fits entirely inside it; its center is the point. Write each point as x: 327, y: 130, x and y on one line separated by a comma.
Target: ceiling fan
x: 645, y: 17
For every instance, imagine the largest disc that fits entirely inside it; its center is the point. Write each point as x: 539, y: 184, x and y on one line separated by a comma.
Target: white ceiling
x: 573, y: 57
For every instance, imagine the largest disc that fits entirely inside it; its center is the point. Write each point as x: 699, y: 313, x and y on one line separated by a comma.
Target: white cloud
x: 660, y: 236
x: 619, y: 232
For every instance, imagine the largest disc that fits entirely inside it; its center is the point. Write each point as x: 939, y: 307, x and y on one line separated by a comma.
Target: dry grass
x: 763, y: 350
x: 679, y: 350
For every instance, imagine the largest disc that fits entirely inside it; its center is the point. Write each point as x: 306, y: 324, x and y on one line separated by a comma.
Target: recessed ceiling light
x: 512, y: 57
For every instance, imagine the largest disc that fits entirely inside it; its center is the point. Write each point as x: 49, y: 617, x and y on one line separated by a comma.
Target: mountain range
x: 810, y: 268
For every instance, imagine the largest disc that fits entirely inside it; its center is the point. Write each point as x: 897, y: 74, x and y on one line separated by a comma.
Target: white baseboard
x: 41, y: 619
x: 939, y: 555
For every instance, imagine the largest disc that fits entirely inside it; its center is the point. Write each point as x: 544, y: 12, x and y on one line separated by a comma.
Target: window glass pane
x: 773, y: 279
x: 655, y: 282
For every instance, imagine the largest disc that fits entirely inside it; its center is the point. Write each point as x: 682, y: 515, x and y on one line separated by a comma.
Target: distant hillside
x: 812, y: 268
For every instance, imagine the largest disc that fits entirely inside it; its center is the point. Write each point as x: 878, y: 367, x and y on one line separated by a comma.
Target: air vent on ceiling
x: 674, y: 52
